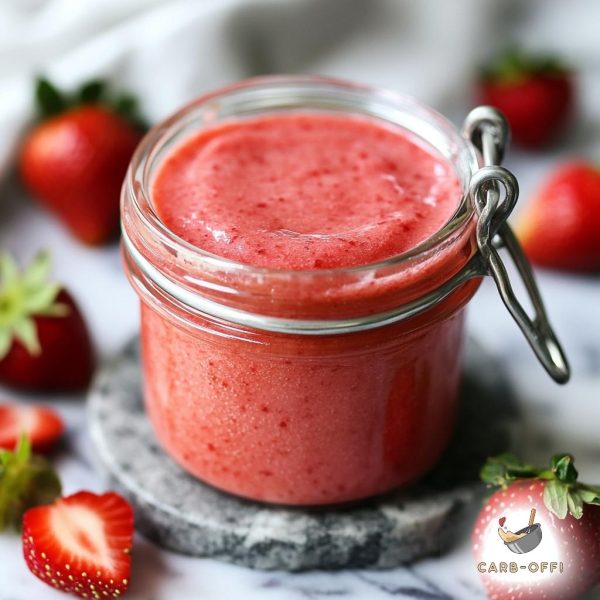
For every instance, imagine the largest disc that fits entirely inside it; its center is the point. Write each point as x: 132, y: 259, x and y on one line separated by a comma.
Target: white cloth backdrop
x: 170, y: 51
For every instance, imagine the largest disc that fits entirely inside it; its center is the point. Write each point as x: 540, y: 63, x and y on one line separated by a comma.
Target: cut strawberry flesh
x: 81, y: 544
x: 41, y: 425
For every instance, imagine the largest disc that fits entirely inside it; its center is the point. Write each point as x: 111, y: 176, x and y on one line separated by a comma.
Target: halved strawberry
x: 40, y: 425
x: 81, y: 544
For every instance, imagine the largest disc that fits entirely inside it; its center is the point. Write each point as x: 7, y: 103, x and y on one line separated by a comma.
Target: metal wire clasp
x: 493, y: 192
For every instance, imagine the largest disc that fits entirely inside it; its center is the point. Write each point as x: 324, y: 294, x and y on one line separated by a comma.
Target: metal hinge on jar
x: 493, y: 192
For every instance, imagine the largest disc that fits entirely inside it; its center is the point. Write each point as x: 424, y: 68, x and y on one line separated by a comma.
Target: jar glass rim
x: 375, y: 98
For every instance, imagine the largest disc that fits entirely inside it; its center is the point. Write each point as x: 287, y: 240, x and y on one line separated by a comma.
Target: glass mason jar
x: 303, y: 387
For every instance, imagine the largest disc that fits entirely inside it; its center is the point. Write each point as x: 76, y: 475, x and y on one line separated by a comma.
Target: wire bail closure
x: 493, y: 192
x: 488, y: 131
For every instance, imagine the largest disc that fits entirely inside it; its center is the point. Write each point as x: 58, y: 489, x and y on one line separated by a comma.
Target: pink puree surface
x: 305, y: 191
x: 296, y: 419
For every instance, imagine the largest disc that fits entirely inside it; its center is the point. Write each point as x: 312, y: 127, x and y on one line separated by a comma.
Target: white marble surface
x: 555, y: 418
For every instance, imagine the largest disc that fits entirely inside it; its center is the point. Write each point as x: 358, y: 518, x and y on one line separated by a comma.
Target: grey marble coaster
x: 183, y: 514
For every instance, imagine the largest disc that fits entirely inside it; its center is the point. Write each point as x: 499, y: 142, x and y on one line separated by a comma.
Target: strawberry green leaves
x: 26, y: 480
x: 514, y: 64
x: 24, y: 295
x: 575, y: 504
x: 51, y: 101
x: 91, y: 91
x: 562, y: 465
x: 555, y: 498
x: 562, y: 498
x: 563, y: 494
x: 504, y: 469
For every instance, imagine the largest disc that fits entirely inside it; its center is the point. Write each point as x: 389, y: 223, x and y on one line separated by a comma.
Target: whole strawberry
x: 74, y: 160
x: 535, y: 93
x: 539, y: 535
x: 560, y: 227
x: 44, y: 341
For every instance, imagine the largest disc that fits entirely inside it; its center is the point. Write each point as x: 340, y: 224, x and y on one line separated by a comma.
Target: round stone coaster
x: 183, y: 514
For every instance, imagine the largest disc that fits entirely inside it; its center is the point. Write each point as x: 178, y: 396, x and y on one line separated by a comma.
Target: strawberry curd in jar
x: 308, y: 419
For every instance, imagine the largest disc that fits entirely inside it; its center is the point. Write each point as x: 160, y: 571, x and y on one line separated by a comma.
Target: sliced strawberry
x: 81, y: 544
x: 40, y: 425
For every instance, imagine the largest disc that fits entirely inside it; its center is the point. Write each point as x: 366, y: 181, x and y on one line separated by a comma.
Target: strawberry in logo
x: 570, y: 511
